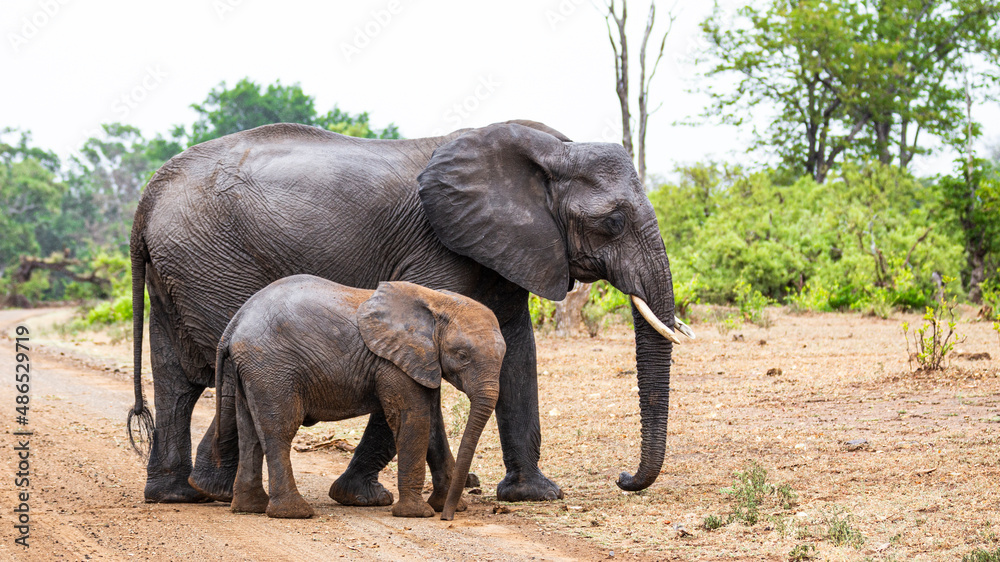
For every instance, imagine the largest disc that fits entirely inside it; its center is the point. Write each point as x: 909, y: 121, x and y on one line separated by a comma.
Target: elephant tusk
x: 660, y: 327
x: 683, y: 328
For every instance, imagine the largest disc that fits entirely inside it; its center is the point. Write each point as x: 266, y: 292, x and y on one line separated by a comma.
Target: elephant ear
x: 487, y: 196
x: 397, y: 324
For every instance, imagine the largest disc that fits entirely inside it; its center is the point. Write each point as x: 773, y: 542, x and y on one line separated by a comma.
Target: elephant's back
x: 227, y: 217
x: 303, y: 296
x: 285, y: 166
x: 302, y: 324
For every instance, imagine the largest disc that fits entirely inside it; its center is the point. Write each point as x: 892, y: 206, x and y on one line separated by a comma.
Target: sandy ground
x: 85, y: 495
x: 925, y: 485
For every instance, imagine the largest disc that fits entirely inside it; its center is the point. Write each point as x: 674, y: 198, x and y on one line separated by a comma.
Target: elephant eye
x: 462, y: 355
x: 613, y: 224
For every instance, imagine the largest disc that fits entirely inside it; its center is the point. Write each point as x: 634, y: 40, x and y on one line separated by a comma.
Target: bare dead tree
x: 620, y: 48
x: 569, y: 311
x: 621, y: 69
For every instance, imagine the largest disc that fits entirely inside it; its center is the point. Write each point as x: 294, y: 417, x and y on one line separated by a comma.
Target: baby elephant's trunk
x: 479, y: 413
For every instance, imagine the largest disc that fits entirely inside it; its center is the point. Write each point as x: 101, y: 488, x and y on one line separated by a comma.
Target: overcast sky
x: 429, y: 66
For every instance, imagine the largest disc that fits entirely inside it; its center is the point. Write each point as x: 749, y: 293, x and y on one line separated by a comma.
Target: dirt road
x: 877, y: 461
x: 85, y: 494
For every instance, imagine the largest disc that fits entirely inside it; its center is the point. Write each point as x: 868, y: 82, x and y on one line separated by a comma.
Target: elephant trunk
x: 480, y: 411
x: 653, y: 352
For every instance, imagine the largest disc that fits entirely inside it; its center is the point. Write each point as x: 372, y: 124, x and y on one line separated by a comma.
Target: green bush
x: 935, y: 338
x: 111, y: 312
x: 605, y: 304
x: 542, y: 311
x: 840, y: 532
x: 712, y: 522
x: 686, y: 293
x: 812, y: 297
x: 980, y: 555
x: 749, y: 489
x: 991, y: 297
x: 802, y: 552
x: 867, y: 240
x: 117, y: 309
x: 752, y: 304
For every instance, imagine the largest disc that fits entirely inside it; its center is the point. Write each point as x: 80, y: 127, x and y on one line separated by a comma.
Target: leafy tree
x: 105, y: 181
x: 30, y: 193
x: 858, y: 78
x: 246, y: 105
x: 354, y: 125
x: 973, y: 199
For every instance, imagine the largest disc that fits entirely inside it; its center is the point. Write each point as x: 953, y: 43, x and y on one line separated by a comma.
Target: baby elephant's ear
x: 397, y: 325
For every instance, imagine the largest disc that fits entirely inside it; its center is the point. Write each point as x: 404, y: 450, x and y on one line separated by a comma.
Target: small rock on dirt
x: 857, y: 445
x: 774, y: 372
x: 737, y: 337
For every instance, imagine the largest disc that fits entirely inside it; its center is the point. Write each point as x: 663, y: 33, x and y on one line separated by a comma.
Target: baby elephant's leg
x: 411, y: 427
x: 440, y: 459
x: 248, y: 490
x: 279, y: 426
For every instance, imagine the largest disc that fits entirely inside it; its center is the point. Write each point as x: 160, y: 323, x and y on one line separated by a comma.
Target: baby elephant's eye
x: 462, y: 355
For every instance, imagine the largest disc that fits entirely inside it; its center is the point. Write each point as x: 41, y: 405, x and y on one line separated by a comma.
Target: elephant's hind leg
x: 216, y: 463
x: 170, y: 457
x: 276, y: 432
x: 359, y: 485
x: 248, y: 489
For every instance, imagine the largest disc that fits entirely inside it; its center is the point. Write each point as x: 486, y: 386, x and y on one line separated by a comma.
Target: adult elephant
x: 490, y: 213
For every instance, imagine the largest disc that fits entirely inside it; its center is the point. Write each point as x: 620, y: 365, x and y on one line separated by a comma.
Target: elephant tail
x: 140, y: 420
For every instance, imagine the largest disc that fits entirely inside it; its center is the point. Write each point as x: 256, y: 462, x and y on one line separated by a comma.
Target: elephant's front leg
x: 517, y: 417
x: 217, y: 461
x: 440, y: 459
x: 412, y: 429
x: 359, y: 485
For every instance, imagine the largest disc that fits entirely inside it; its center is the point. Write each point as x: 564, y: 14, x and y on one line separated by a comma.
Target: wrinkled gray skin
x: 490, y: 213
x: 304, y: 350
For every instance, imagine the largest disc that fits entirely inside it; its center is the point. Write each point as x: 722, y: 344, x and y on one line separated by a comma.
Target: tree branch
x: 621, y: 71
x: 906, y: 263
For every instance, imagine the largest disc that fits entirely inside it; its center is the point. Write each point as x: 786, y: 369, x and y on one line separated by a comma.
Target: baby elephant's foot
x: 252, y: 501
x: 437, y: 502
x: 417, y: 508
x: 292, y: 506
x: 346, y: 491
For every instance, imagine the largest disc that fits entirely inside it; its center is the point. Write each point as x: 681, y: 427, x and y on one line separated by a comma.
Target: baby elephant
x: 305, y: 349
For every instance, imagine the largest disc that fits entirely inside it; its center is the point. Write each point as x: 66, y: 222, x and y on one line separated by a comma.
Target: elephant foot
x: 437, y: 500
x: 346, y: 491
x: 214, y: 483
x: 291, y: 506
x: 529, y: 486
x: 251, y: 501
x: 160, y: 491
x: 415, y: 508
x: 472, y: 481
